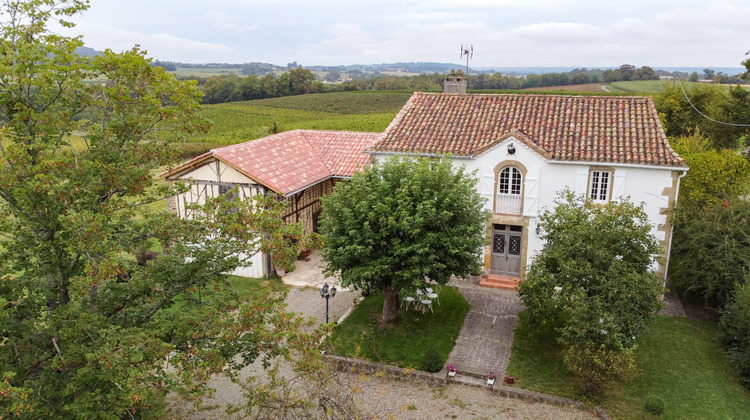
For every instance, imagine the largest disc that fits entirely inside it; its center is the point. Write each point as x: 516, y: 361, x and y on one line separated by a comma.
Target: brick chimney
x: 455, y: 83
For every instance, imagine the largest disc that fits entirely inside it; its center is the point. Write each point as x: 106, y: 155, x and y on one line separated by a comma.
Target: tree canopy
x: 88, y: 328
x: 593, y: 278
x: 400, y: 222
x: 724, y: 112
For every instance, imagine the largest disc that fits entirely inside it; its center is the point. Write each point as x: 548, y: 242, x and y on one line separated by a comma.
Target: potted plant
x: 510, y: 380
x: 451, y: 371
x: 475, y: 272
x: 491, y: 379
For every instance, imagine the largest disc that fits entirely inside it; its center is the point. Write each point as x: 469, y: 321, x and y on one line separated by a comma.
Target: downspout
x: 671, y: 229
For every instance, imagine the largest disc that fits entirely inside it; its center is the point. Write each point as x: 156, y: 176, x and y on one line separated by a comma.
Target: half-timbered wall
x: 305, y: 207
x: 212, y: 180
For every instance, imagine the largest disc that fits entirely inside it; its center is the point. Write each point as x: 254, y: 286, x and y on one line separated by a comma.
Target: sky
x: 504, y: 33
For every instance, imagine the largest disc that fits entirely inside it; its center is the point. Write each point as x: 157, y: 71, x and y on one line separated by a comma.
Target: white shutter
x: 531, y: 193
x: 487, y: 190
x: 582, y: 181
x: 618, y: 185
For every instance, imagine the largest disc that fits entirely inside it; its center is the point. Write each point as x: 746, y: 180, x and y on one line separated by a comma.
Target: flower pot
x: 280, y: 272
x: 451, y: 373
x: 490, y: 381
x: 475, y: 278
x: 510, y: 380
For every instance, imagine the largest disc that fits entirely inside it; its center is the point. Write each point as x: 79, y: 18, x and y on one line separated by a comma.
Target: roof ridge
x: 315, y: 150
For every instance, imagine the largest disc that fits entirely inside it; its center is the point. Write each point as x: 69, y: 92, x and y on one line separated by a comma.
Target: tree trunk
x: 390, y: 303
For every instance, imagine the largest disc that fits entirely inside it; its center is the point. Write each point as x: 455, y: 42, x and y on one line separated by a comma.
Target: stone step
x: 499, y: 282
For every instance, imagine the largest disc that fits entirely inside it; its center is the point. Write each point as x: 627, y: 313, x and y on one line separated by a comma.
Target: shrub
x: 593, y: 277
x: 593, y: 366
x: 734, y: 330
x: 654, y: 404
x: 432, y: 361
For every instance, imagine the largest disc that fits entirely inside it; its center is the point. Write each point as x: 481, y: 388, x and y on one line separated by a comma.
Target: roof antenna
x: 467, y: 50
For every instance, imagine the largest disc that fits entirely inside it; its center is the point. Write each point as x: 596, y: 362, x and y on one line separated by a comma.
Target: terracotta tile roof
x: 605, y: 129
x: 292, y: 160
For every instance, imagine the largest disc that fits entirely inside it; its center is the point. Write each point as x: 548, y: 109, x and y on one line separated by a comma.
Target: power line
x: 706, y: 116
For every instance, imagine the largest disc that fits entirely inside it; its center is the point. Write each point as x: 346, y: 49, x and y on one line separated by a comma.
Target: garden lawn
x: 680, y: 360
x: 241, y: 285
x: 405, y: 341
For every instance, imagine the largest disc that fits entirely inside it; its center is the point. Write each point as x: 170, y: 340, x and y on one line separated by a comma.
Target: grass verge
x: 405, y: 341
x: 680, y: 360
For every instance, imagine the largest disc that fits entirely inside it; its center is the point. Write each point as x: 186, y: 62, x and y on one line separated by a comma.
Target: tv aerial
x: 467, y: 50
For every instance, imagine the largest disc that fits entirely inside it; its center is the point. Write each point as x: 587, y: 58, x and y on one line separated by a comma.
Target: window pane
x: 516, y: 187
x: 594, y: 185
x: 504, y: 181
x: 604, y: 187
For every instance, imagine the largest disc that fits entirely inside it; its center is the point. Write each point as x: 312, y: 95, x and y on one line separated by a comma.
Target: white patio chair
x: 409, y: 300
x: 433, y: 296
x: 425, y: 303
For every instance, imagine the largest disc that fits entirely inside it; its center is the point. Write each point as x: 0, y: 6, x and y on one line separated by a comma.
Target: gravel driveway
x: 387, y: 398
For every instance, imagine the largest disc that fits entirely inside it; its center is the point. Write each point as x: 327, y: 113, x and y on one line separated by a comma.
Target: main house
x: 525, y: 148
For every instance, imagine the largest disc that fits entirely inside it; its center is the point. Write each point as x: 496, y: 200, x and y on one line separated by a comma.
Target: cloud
x: 228, y: 22
x: 588, y: 33
x: 159, y: 45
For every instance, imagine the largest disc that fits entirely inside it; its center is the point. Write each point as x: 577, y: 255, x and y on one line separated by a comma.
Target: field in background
x: 238, y: 122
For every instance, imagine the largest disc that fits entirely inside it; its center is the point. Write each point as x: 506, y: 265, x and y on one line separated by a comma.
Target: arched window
x: 508, y: 199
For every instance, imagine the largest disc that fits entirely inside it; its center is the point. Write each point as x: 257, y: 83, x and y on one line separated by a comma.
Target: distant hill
x: 87, y: 52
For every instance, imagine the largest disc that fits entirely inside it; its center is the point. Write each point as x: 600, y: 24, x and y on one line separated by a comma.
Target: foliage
x: 432, y: 361
x: 715, y: 177
x: 711, y: 250
x: 680, y: 118
x: 711, y: 239
x: 680, y: 359
x: 734, y: 330
x: 404, y: 342
x: 593, y: 275
x: 654, y: 404
x: 87, y: 331
x: 400, y: 222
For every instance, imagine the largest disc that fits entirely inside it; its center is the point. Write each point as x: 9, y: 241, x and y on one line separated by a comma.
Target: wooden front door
x: 506, y: 250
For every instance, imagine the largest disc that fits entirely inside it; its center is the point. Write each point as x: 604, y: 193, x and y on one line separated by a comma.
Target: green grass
x: 247, y: 284
x: 680, y: 360
x: 241, y: 285
x: 647, y: 87
x: 405, y: 341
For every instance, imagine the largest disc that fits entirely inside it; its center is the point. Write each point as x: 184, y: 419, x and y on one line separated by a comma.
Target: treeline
x: 296, y: 81
x: 232, y: 88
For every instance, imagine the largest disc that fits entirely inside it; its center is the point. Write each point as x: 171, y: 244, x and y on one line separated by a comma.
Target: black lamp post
x: 324, y: 293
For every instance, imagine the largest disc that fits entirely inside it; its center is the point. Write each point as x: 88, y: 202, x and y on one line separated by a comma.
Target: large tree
x: 593, y: 279
x: 400, y: 222
x: 87, y: 330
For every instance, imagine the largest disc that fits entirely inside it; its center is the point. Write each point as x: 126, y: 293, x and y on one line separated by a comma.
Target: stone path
x: 485, y: 340
x: 674, y: 306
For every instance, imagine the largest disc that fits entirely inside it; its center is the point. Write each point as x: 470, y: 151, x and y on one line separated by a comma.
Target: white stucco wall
x: 641, y: 184
x: 544, y: 179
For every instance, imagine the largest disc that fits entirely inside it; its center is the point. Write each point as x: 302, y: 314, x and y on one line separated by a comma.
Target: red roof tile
x: 292, y: 160
x: 607, y: 129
